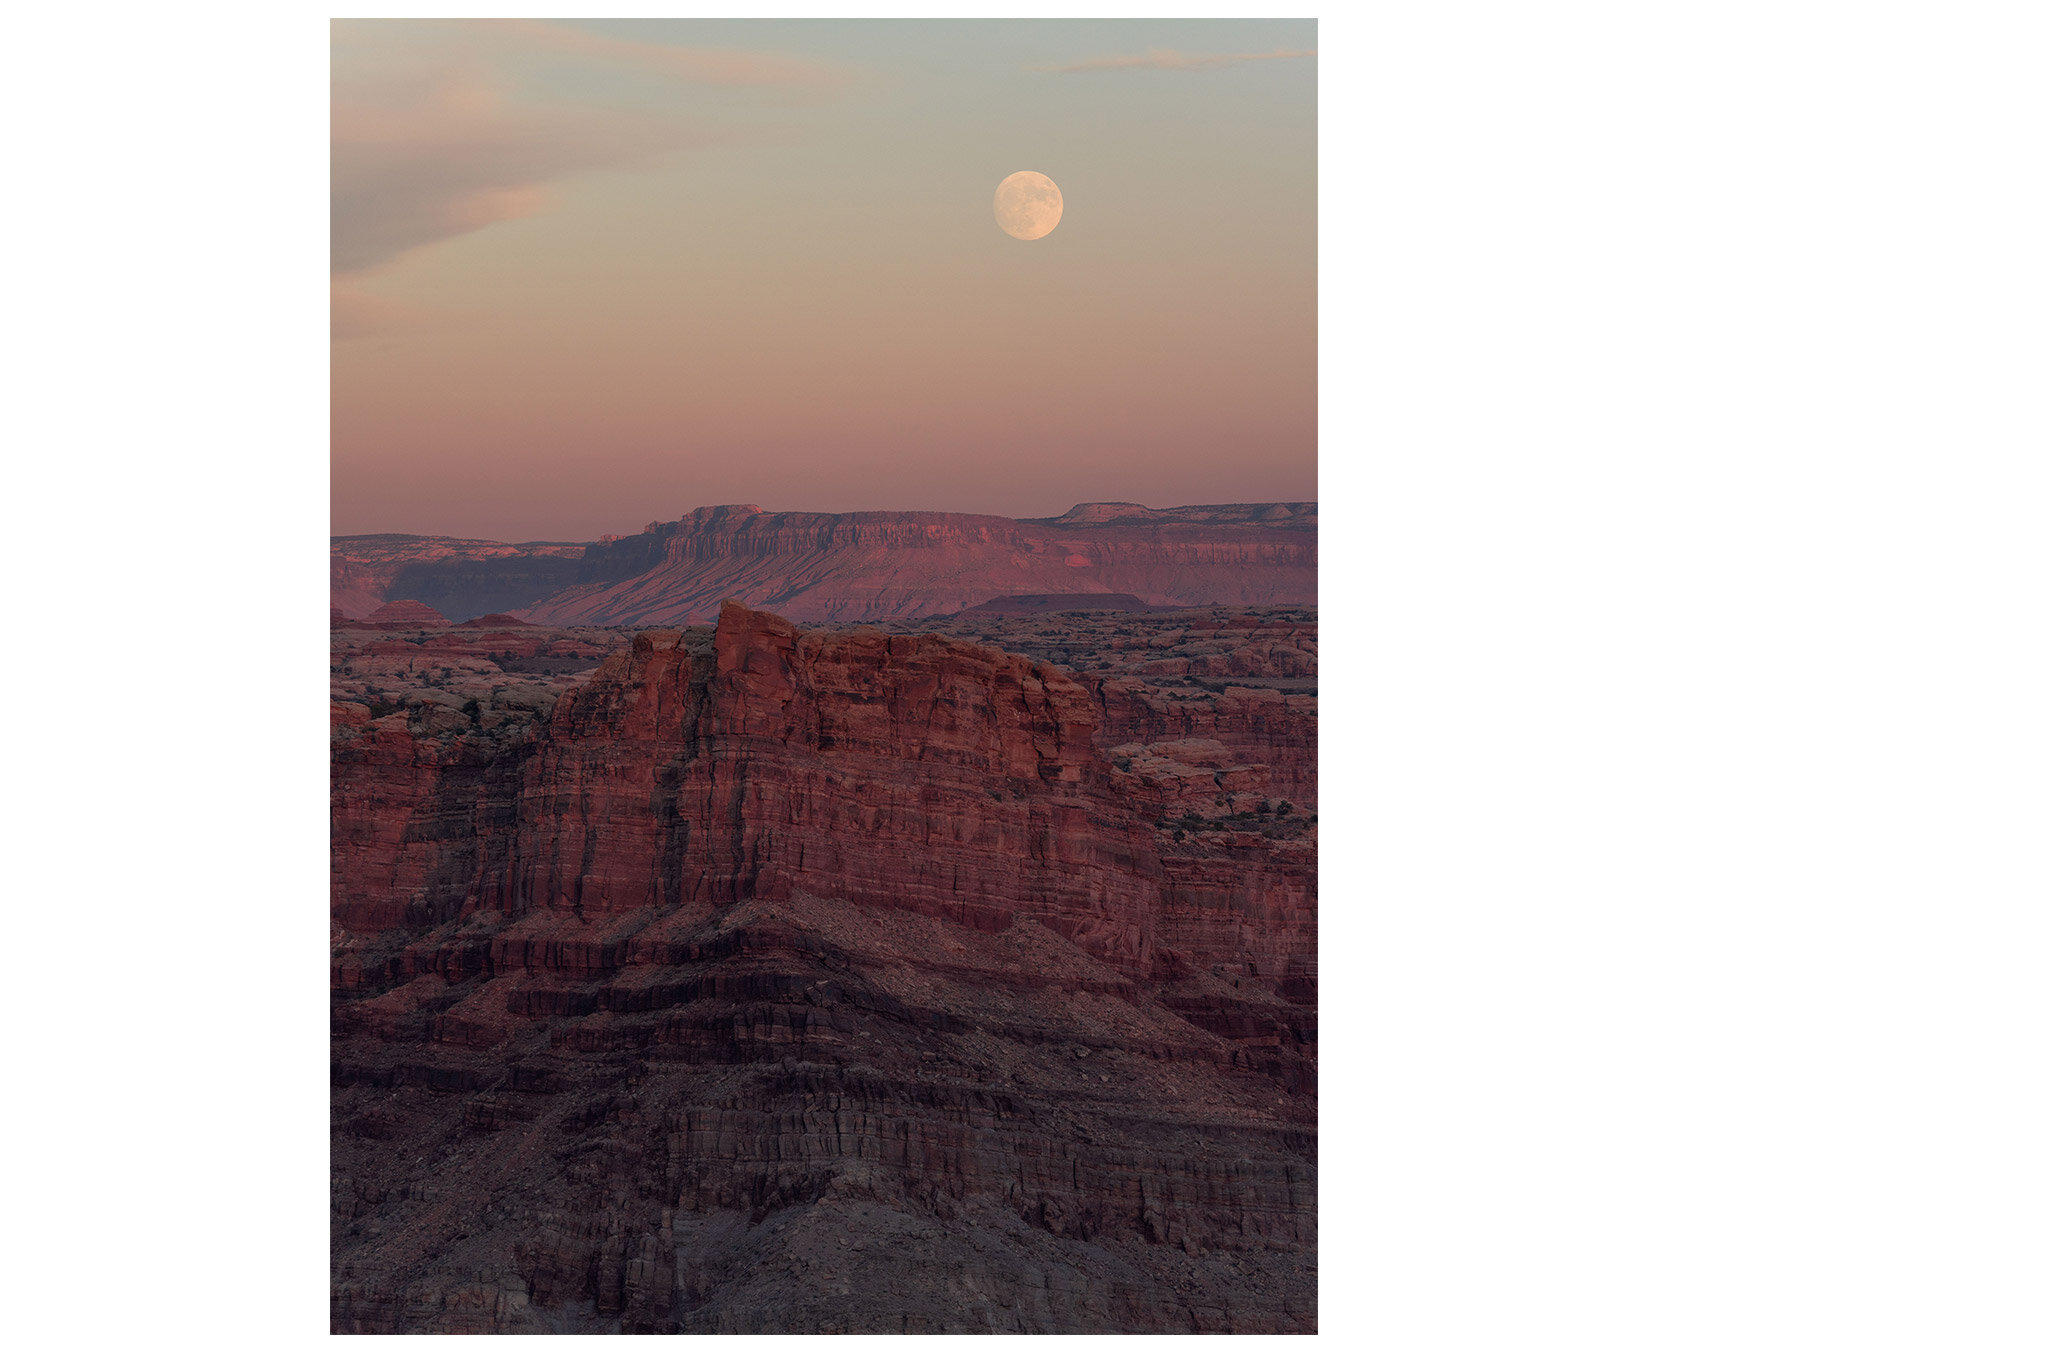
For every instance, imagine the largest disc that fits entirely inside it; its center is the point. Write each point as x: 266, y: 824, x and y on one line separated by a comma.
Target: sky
x: 590, y: 274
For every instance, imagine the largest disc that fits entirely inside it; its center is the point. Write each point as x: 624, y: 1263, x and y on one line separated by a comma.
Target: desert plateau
x: 844, y: 566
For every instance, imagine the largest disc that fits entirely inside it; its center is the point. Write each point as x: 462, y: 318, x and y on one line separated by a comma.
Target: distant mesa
x: 497, y: 621
x: 414, y: 614
x: 843, y: 567
x: 1130, y: 514
x: 1083, y: 514
x: 458, y: 577
x: 1046, y: 603
x: 716, y: 516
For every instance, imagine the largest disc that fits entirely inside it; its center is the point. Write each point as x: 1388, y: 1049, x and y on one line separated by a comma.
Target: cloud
x: 1162, y: 59
x: 443, y: 152
x: 704, y: 65
x: 437, y: 131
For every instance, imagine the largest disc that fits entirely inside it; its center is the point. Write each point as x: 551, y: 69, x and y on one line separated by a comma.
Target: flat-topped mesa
x: 873, y: 566
x: 724, y: 514
x: 845, y: 566
x: 713, y: 533
x: 1297, y: 515
x: 1084, y: 513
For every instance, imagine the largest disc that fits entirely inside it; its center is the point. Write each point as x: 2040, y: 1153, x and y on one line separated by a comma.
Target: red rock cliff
x: 910, y: 772
x: 650, y: 1000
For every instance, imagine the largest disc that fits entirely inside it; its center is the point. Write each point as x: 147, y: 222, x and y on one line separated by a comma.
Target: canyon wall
x: 772, y: 979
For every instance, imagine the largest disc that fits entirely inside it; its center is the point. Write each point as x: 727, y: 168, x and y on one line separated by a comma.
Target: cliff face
x: 887, y: 565
x: 847, y: 567
x: 784, y: 980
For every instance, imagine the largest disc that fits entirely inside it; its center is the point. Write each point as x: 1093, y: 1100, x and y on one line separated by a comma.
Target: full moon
x: 1028, y: 205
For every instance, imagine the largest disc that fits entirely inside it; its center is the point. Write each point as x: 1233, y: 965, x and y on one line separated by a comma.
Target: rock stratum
x: 847, y: 567
x: 759, y: 978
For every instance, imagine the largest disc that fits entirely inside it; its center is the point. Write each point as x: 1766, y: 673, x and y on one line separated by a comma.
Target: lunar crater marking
x: 1028, y: 205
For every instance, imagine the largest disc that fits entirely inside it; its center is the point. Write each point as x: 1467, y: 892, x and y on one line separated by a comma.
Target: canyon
x: 845, y: 567
x: 943, y: 974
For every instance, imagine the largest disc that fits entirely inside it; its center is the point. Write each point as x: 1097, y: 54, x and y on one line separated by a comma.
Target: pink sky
x: 589, y: 277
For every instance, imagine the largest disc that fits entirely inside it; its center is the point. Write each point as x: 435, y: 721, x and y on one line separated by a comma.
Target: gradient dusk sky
x: 595, y: 273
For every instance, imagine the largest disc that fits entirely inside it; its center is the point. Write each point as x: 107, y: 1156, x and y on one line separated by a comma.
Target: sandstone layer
x: 767, y: 979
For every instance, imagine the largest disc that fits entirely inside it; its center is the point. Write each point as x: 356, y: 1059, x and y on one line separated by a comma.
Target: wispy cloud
x: 1160, y: 58
x: 448, y: 151
x: 703, y: 65
x: 437, y: 132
